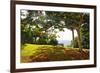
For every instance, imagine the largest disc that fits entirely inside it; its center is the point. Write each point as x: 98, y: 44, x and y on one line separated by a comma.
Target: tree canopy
x: 39, y: 26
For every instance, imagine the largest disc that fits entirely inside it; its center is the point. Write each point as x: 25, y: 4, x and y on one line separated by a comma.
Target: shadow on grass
x: 54, y: 53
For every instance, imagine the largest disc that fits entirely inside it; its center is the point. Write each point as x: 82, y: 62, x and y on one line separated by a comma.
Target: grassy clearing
x: 30, y: 49
x: 41, y: 53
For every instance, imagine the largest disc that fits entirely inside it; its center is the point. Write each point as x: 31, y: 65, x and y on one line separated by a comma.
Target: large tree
x: 74, y: 21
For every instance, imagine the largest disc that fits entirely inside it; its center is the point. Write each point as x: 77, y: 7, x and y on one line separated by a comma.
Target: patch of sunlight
x: 30, y: 49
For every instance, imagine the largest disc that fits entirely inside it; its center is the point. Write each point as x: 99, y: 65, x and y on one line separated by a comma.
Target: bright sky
x: 65, y: 35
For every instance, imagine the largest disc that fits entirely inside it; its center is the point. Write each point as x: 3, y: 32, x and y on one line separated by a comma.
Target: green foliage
x: 34, y: 28
x: 85, y: 32
x: 26, y: 34
x: 37, y: 27
x: 53, y: 42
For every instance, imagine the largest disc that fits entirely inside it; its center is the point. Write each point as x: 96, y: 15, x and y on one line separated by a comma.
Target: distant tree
x: 53, y: 42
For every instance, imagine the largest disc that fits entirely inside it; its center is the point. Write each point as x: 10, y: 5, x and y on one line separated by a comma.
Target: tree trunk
x: 79, y: 40
x: 73, y: 38
x: 78, y: 32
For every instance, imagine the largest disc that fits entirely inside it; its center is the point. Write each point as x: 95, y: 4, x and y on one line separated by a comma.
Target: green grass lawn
x: 30, y: 49
x: 41, y: 53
